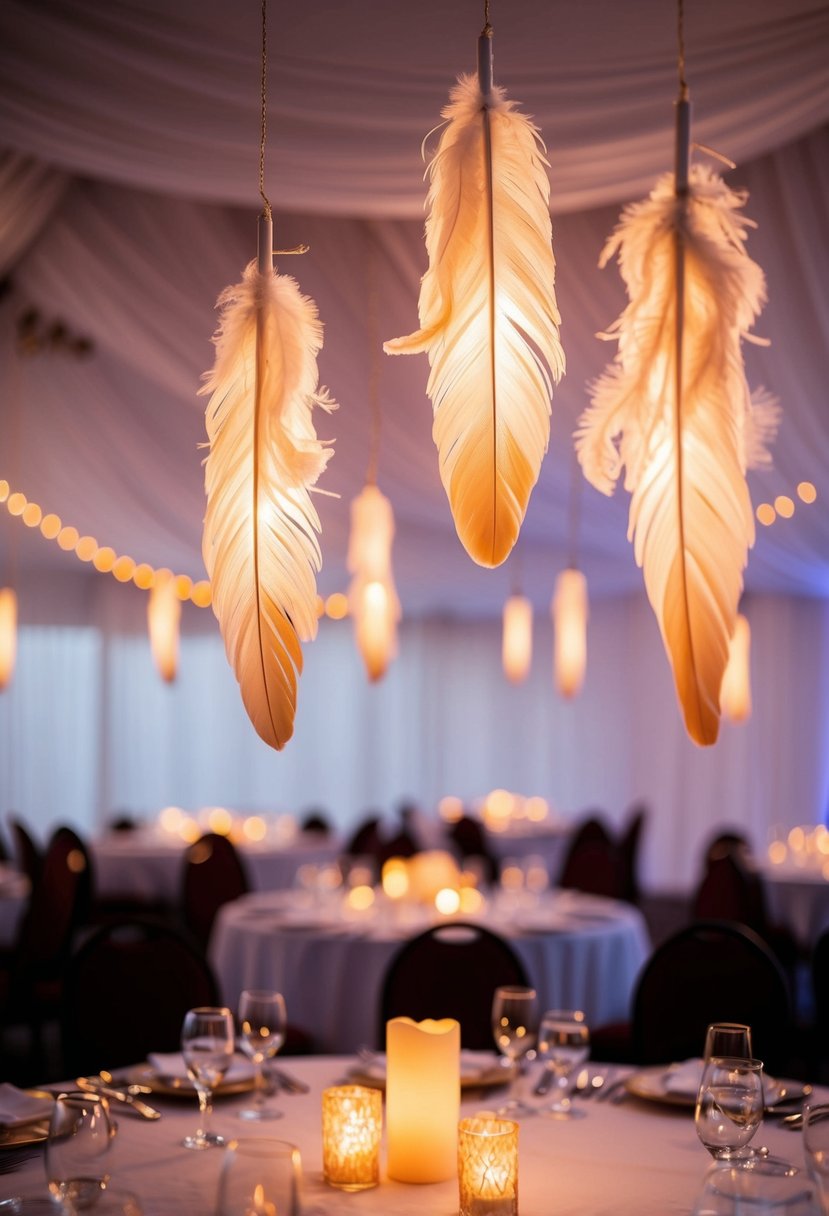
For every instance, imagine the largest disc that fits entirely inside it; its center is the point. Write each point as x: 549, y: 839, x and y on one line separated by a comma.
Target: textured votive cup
x: 352, y: 1122
x: 487, y: 1166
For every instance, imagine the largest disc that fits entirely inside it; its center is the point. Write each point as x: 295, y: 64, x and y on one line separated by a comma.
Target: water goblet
x: 514, y: 1027
x: 262, y: 1022
x: 731, y: 1039
x: 563, y: 1044
x: 260, y: 1178
x: 816, y: 1148
x: 729, y: 1106
x: 80, y: 1135
x: 207, y: 1041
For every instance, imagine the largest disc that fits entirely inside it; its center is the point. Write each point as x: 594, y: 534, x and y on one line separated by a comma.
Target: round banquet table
x: 581, y: 952
x: 798, y: 897
x: 142, y: 865
x: 636, y: 1158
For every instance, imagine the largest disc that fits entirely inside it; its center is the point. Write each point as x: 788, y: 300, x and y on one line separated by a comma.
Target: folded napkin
x: 17, y: 1108
x: 685, y: 1078
x: 171, y: 1064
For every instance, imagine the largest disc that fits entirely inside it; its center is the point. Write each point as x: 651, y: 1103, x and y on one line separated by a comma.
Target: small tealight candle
x: 487, y: 1166
x: 352, y: 1121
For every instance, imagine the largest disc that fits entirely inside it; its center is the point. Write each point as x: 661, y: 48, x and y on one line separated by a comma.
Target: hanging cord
x: 680, y: 40
x: 263, y: 124
x: 575, y: 513
x: 374, y: 360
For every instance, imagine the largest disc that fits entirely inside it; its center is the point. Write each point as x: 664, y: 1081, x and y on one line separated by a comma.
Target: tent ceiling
x: 128, y: 200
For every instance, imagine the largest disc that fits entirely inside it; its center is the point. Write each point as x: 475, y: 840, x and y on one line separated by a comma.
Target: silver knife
x: 544, y: 1082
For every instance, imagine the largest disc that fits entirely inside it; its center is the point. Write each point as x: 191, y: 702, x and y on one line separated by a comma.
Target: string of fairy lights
x: 125, y: 569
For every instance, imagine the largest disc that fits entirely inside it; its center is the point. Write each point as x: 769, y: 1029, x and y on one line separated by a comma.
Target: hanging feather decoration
x: 372, y: 595
x: 260, y: 542
x: 488, y: 313
x: 675, y: 410
x: 517, y: 638
x: 735, y: 693
x: 569, y: 610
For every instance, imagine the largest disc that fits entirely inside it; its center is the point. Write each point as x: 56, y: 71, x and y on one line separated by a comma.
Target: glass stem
x: 205, y: 1110
x: 258, y: 1082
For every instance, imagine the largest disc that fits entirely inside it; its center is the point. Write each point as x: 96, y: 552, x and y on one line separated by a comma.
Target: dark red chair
x: 592, y: 863
x: 214, y: 874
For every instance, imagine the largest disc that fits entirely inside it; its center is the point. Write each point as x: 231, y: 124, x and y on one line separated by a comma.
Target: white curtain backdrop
x: 87, y: 727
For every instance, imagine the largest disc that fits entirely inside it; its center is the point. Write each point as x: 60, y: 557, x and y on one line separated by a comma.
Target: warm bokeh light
x: 183, y: 585
x: 8, y: 634
x: 320, y: 606
x: 395, y: 878
x: 336, y: 606
x: 104, y: 559
x: 254, y: 829
x: 68, y: 538
x: 472, y: 900
x: 448, y: 901
x: 220, y: 820
x: 171, y: 819
x: 16, y: 504
x: 569, y: 610
x: 202, y: 595
x: 735, y: 690
x: 164, y: 625
x: 360, y: 898
x: 86, y: 548
x: 806, y: 492
x: 766, y: 514
x: 784, y: 506
x: 450, y: 809
x: 32, y: 515
x: 50, y: 525
x: 536, y: 809
x: 143, y: 576
x: 517, y: 638
x: 189, y: 829
x: 123, y: 568
x: 797, y: 839
x: 777, y: 852
x: 4, y: 490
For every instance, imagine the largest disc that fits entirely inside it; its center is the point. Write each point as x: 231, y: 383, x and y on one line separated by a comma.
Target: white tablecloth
x: 523, y: 840
x: 139, y: 865
x: 580, y: 952
x: 634, y: 1159
x: 798, y: 898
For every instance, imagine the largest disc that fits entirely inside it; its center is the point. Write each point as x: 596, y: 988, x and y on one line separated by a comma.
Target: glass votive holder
x: 260, y: 1177
x: 487, y: 1166
x: 352, y: 1123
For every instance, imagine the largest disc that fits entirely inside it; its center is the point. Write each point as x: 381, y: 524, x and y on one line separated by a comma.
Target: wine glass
x: 80, y: 1135
x: 816, y: 1148
x: 260, y: 1176
x: 262, y: 1022
x: 207, y: 1042
x: 731, y: 1039
x: 729, y: 1106
x: 514, y: 1027
x: 563, y: 1044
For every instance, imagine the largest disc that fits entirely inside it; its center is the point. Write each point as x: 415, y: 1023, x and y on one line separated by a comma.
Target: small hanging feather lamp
x: 517, y: 639
x: 8, y: 634
x: 569, y: 613
x: 373, y: 601
x: 735, y: 693
x: 163, y: 621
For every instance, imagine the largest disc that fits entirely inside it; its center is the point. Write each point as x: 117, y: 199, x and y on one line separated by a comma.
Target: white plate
x: 479, y: 1069
x: 653, y: 1084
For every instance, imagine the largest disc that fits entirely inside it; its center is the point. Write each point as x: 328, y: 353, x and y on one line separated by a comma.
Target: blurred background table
x: 581, y: 952
x: 143, y: 864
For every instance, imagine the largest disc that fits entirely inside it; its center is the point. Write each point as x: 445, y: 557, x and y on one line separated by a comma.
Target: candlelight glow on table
x: 487, y: 1166
x: 352, y: 1123
x: 423, y: 1095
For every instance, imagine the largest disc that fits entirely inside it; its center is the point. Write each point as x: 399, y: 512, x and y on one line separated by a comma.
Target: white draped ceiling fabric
x: 128, y: 200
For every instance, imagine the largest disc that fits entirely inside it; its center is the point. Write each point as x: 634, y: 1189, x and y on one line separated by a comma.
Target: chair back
x: 366, y: 840
x: 468, y: 838
x: 592, y: 861
x: 730, y: 891
x: 711, y: 971
x: 28, y: 855
x: 58, y: 906
x: 125, y: 994
x: 629, y: 849
x: 820, y: 988
x: 451, y: 971
x: 213, y: 875
x: 316, y: 823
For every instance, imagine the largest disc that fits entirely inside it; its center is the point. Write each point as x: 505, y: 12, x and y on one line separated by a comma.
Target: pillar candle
x: 423, y: 1094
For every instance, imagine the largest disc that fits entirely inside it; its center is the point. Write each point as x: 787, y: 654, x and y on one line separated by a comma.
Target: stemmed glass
x: 262, y: 1023
x: 729, y: 1106
x: 80, y: 1134
x: 563, y: 1043
x: 514, y: 1027
x: 260, y: 1176
x: 207, y: 1042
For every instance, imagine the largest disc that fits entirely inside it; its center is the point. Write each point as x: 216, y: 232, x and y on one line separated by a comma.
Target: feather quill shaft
x: 674, y: 409
x: 488, y: 314
x: 260, y: 544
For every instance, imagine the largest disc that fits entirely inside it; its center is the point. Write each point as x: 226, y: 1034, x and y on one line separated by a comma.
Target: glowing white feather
x: 685, y: 440
x: 488, y: 314
x: 260, y: 542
